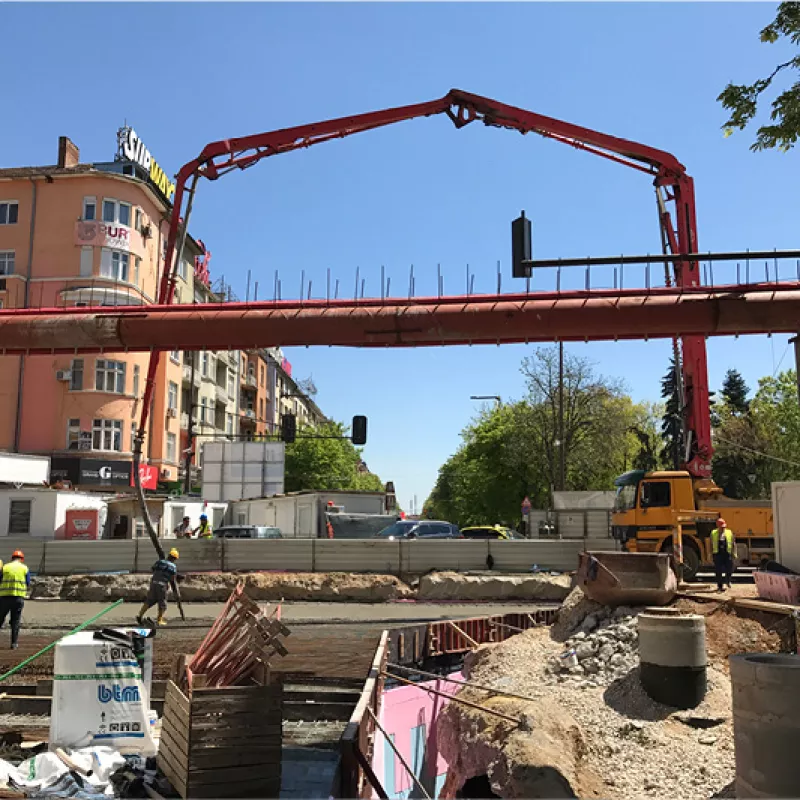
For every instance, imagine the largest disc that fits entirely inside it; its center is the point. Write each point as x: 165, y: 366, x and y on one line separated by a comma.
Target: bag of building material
x: 100, y: 696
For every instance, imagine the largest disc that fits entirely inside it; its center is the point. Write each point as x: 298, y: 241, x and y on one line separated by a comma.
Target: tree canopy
x: 741, y: 100
x: 326, y: 464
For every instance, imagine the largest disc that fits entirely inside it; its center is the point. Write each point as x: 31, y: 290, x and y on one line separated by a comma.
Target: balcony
x: 187, y: 375
x: 222, y: 395
x: 250, y: 382
x: 248, y: 417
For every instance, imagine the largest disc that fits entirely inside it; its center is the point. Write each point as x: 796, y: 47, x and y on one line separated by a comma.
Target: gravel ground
x: 637, y: 747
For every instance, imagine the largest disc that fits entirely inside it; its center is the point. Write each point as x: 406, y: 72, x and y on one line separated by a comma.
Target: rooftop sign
x: 132, y: 148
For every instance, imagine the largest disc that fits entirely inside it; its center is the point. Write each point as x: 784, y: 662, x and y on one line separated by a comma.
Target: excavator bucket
x: 630, y: 579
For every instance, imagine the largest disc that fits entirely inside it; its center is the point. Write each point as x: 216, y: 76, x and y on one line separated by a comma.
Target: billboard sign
x: 242, y: 470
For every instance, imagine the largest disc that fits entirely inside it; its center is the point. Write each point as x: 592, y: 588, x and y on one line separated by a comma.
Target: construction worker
x: 723, y: 548
x: 14, y: 584
x: 165, y: 570
x: 184, y: 530
x: 203, y: 530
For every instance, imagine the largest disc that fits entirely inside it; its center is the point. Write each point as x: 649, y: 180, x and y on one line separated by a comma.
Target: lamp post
x: 487, y: 397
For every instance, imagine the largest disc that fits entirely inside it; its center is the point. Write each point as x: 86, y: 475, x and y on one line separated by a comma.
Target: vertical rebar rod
x: 383, y: 278
x: 439, y: 280
x: 255, y: 293
x: 355, y: 294
x: 302, y: 284
x: 336, y: 290
x: 247, y: 293
x: 499, y: 278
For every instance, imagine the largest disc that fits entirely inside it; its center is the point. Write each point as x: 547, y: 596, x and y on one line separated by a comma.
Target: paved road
x: 61, y: 614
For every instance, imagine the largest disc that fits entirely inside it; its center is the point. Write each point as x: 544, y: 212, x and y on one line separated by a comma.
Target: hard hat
x: 18, y: 554
x: 174, y: 553
x: 203, y: 516
x: 720, y: 521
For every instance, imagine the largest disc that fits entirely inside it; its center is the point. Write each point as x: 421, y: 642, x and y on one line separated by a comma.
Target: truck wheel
x: 691, y: 561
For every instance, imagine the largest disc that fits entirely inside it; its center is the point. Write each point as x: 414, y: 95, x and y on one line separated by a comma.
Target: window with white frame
x: 172, y: 448
x: 116, y: 211
x: 136, y: 370
x: 182, y: 268
x: 90, y: 208
x: 76, y: 375
x: 114, y: 264
x: 107, y: 435
x: 109, y: 376
x: 205, y: 364
x: 231, y: 383
x: 203, y: 410
x: 137, y: 216
x: 229, y: 423
x: 175, y: 356
x: 137, y: 262
x: 6, y: 262
x: 172, y: 395
x: 73, y: 434
x: 9, y: 212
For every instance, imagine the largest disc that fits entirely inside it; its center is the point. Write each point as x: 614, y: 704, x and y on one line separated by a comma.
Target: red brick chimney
x: 68, y: 154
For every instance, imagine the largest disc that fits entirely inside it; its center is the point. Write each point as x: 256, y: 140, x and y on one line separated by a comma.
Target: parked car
x: 419, y: 529
x: 248, y: 532
x: 489, y: 532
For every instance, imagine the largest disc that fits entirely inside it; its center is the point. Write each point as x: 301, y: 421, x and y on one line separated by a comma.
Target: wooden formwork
x: 223, y: 742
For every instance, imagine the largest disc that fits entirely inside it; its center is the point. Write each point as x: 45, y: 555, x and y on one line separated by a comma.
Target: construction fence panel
x: 357, y: 555
x: 444, y: 554
x: 295, y: 555
x: 33, y: 549
x: 598, y: 524
x: 68, y: 558
x: 196, y: 555
x: 546, y: 554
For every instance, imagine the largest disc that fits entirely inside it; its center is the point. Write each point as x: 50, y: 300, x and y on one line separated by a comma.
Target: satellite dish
x: 18, y: 486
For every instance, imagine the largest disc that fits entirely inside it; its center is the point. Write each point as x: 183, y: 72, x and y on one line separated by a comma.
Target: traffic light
x: 521, y: 247
x: 359, y: 434
x: 288, y: 428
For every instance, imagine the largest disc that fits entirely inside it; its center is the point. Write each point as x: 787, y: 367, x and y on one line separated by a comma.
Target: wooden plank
x: 175, y: 712
x: 251, y: 736
x: 235, y: 722
x: 236, y: 707
x: 350, y: 733
x: 235, y: 774
x: 179, y: 736
x: 176, y: 775
x: 233, y: 691
x: 765, y: 605
x: 176, y: 695
x: 244, y: 755
x: 269, y: 787
x: 179, y: 761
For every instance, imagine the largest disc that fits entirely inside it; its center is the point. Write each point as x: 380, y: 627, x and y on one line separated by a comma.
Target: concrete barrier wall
x: 307, y: 555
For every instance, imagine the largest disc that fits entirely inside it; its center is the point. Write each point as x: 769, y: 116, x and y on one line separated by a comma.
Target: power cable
x: 756, y: 452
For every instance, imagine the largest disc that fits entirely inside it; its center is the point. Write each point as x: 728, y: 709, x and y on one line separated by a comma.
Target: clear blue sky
x: 420, y: 192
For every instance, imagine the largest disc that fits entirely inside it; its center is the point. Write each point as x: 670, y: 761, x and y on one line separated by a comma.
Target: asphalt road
x: 61, y: 614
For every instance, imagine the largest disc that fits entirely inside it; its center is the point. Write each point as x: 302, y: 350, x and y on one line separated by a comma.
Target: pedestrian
x: 184, y: 530
x: 723, y: 548
x: 203, y: 530
x: 14, y: 584
x: 165, y: 570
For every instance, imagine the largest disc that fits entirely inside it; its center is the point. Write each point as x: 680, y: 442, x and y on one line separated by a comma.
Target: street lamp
x: 486, y: 397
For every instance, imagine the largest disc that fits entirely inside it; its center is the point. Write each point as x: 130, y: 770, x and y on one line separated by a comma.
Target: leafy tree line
x: 326, y: 464
x: 513, y: 450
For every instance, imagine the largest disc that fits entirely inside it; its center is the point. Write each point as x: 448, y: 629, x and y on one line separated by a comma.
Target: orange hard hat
x: 720, y: 521
x: 18, y: 554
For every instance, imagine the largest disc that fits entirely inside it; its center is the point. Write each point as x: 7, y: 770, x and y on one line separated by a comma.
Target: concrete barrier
x: 357, y: 555
x: 68, y: 558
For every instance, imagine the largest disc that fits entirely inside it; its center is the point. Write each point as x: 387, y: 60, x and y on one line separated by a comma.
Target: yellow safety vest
x: 13, y: 583
x: 728, y: 540
x: 206, y: 532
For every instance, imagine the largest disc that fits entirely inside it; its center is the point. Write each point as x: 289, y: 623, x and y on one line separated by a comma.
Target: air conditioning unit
x: 172, y: 412
x: 64, y: 375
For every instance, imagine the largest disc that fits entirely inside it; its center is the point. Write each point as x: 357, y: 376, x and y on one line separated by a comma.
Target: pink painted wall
x: 403, y: 709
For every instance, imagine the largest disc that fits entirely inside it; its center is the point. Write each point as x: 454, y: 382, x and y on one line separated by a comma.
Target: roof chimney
x: 68, y: 154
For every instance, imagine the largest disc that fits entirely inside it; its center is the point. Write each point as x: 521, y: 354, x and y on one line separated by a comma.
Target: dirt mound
x: 574, y: 610
x: 455, y: 586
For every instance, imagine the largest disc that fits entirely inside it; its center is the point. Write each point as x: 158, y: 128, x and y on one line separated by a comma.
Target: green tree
x: 741, y: 100
x: 324, y: 464
x: 648, y: 456
x: 672, y: 419
x: 734, y: 393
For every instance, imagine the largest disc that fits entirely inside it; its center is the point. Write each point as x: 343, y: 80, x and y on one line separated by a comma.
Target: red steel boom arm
x: 463, y: 108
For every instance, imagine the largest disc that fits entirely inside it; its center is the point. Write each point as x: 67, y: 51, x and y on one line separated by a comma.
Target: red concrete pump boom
x: 672, y: 184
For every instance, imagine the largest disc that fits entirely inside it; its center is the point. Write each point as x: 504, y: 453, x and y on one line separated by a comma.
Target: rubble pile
x: 604, y: 648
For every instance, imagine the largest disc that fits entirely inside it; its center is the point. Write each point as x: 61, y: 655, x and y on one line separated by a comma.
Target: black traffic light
x: 288, y: 428
x: 521, y: 247
x: 359, y: 434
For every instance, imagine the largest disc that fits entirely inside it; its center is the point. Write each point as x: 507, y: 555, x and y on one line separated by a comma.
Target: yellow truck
x: 648, y: 503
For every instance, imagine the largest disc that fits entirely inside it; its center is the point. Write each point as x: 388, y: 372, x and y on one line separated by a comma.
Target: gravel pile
x: 604, y: 648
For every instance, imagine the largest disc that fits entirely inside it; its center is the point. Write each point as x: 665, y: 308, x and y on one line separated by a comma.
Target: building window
x: 229, y: 423
x: 263, y: 376
x: 133, y: 436
x: 231, y: 383
x: 6, y: 262
x: 136, y: 370
x: 203, y: 403
x: 117, y: 211
x: 89, y: 208
x: 110, y: 376
x: 73, y: 434
x: 137, y: 262
x: 182, y: 269
x: 175, y: 356
x: 76, y: 375
x: 87, y: 262
x: 9, y: 212
x: 19, y: 517
x: 172, y: 395
x: 114, y: 264
x: 172, y: 447
x: 138, y: 217
x: 107, y: 435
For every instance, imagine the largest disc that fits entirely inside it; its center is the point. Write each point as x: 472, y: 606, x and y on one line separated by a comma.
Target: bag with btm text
x: 99, y: 696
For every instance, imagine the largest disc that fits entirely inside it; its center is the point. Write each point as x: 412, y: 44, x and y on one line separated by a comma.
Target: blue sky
x: 420, y: 192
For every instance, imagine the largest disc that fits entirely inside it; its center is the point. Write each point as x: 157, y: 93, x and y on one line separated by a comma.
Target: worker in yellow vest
x: 14, y: 583
x: 723, y: 549
x: 203, y: 530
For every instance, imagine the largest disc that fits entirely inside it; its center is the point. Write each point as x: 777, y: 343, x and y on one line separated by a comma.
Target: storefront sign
x: 82, y: 523
x: 101, y: 234
x: 98, y: 472
x: 148, y: 475
x: 132, y: 148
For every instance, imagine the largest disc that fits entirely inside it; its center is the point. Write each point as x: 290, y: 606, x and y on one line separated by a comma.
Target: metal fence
x: 304, y: 555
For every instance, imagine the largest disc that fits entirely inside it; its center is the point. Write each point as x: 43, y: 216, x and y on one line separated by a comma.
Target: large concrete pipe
x: 672, y: 652
x: 766, y: 722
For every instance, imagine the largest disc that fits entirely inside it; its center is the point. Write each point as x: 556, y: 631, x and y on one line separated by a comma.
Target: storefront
x: 100, y: 473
